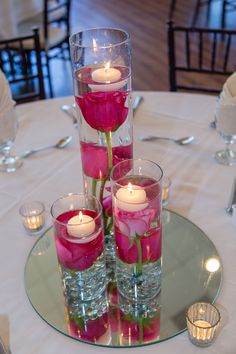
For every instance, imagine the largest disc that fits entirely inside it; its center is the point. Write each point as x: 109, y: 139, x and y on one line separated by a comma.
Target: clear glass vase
x: 137, y: 197
x: 101, y: 63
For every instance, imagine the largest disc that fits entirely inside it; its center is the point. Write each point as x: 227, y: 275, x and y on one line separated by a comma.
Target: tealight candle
x: 202, y: 321
x: 81, y: 225
x: 32, y: 214
x: 106, y: 74
x: 107, y: 78
x: 131, y: 198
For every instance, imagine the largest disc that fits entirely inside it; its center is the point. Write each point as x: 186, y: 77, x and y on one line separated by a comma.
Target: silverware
x: 136, y: 103
x: 61, y: 144
x: 183, y: 141
x: 212, y: 124
x: 70, y: 111
x: 232, y: 199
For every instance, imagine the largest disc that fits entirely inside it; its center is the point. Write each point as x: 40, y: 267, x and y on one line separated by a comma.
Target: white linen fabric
x: 200, y: 191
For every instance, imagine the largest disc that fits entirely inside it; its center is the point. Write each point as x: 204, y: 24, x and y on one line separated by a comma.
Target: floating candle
x: 107, y: 79
x: 106, y: 74
x: 131, y: 198
x: 81, y: 225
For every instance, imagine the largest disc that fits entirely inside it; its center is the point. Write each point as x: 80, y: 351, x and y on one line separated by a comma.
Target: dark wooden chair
x: 226, y: 7
x: 200, y: 56
x: 54, y: 24
x: 23, y: 68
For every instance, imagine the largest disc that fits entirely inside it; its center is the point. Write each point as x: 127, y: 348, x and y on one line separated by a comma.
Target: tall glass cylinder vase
x: 137, y: 193
x: 101, y: 62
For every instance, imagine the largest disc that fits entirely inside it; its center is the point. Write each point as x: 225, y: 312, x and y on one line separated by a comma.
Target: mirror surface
x: 191, y: 272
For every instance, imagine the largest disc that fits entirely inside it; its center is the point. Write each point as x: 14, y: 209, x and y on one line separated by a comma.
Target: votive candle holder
x: 33, y: 216
x: 202, y: 322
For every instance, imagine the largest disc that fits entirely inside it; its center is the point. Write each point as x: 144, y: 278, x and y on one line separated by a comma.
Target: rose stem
x: 139, y: 264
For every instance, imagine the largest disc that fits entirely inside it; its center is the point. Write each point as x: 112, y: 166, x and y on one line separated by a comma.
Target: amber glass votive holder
x: 33, y: 216
x: 202, y: 322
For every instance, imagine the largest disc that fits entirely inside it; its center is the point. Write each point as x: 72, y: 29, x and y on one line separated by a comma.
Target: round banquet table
x: 200, y: 191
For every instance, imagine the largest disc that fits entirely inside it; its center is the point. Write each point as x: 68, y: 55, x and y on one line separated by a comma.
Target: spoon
x: 69, y: 110
x: 212, y: 124
x: 183, y: 141
x: 61, y: 144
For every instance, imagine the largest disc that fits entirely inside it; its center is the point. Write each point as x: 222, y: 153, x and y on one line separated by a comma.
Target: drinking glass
x: 78, y: 231
x: 101, y: 64
x: 226, y: 126
x: 136, y: 200
x: 8, y: 128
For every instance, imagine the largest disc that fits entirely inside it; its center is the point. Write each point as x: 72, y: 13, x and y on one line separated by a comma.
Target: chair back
x: 56, y: 12
x: 202, y: 56
x: 22, y: 67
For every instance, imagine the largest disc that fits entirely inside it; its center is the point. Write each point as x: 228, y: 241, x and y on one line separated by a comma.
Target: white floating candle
x: 106, y: 79
x: 106, y: 74
x: 131, y: 198
x: 81, y: 225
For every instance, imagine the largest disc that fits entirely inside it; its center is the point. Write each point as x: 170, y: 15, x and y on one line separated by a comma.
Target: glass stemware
x: 226, y: 126
x: 8, y: 128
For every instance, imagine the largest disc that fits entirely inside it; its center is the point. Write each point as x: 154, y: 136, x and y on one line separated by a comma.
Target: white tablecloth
x: 14, y: 11
x: 200, y: 191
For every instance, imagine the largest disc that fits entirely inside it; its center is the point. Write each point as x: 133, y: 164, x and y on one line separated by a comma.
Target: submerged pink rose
x: 95, y: 158
x: 74, y: 255
x: 134, y: 223
x: 104, y: 111
x: 150, y: 245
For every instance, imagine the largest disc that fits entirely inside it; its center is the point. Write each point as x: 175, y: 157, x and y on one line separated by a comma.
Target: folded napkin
x: 6, y: 101
x: 228, y: 94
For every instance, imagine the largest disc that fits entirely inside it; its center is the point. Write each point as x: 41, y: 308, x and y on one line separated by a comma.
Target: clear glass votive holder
x: 202, y: 322
x: 166, y: 184
x: 136, y: 200
x: 33, y: 216
x: 79, y: 241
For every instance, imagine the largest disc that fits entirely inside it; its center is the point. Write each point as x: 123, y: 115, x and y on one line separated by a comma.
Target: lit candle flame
x: 80, y: 217
x: 107, y: 65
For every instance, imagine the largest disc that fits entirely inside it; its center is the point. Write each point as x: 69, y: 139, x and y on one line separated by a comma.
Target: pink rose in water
x: 104, y: 111
x: 129, y: 225
x: 75, y: 255
x: 95, y: 158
